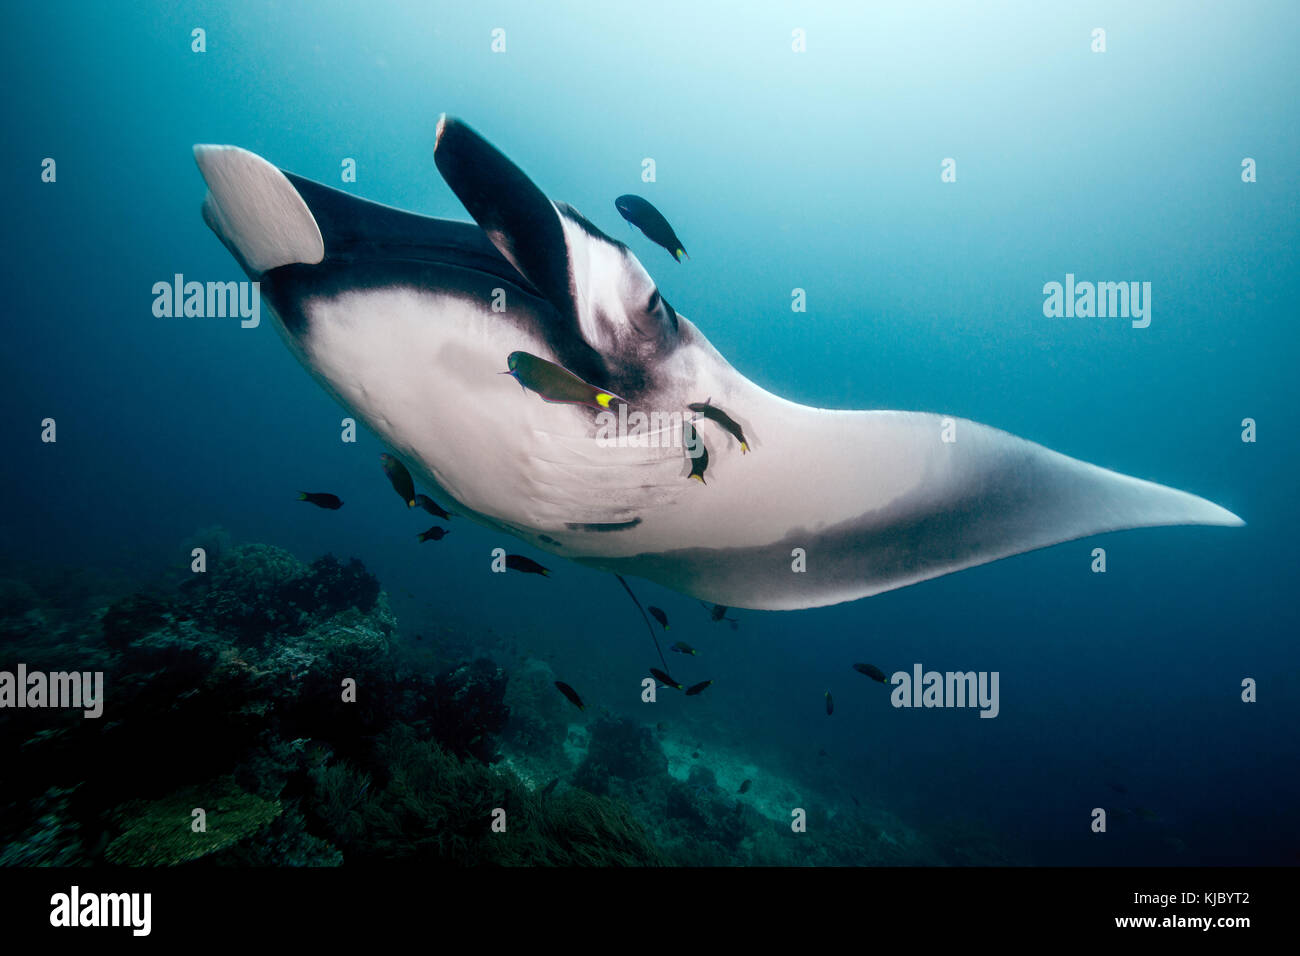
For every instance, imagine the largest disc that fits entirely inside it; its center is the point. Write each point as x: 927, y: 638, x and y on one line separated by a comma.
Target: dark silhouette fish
x: 681, y: 647
x: 431, y: 506
x: 433, y: 534
x: 659, y: 616
x: 650, y: 221
x: 517, y: 562
x: 663, y: 678
x: 570, y: 693
x: 697, y: 688
x: 399, y: 478
x: 830, y: 704
x: 321, y: 499
x: 875, y: 673
x: 718, y: 612
x: 744, y: 787
x: 723, y: 420
x: 696, y: 453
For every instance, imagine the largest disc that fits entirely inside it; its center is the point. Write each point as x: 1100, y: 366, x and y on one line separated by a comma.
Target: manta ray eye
x: 654, y: 301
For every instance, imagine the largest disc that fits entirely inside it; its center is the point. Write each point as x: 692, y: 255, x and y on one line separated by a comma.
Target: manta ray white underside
x: 393, y: 314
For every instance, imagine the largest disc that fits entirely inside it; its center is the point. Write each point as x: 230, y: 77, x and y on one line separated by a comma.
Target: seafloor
x: 225, y: 694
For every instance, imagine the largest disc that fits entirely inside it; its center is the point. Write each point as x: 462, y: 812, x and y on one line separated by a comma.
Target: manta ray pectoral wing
x: 516, y: 216
x: 877, y: 501
x: 269, y: 218
x: 256, y: 211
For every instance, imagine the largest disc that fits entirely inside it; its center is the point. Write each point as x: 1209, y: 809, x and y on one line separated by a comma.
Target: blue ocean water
x: 816, y: 170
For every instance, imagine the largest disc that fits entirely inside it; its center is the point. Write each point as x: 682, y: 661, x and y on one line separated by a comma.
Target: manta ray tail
x: 644, y: 618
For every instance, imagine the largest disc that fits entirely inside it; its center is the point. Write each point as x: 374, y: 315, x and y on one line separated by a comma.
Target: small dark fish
x: 744, y: 787
x: 650, y: 221
x: 856, y: 803
x: 830, y: 704
x: 399, y: 478
x: 700, y: 460
x: 697, y: 688
x: 517, y: 562
x: 555, y: 383
x: 570, y: 693
x: 431, y: 506
x: 659, y: 616
x: 546, y: 790
x: 663, y: 678
x: 681, y: 647
x: 875, y: 673
x: 695, y: 755
x: 433, y: 534
x: 321, y: 499
x: 725, y: 421
x: 718, y: 613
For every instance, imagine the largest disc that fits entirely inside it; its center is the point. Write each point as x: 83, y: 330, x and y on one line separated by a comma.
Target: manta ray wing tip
x: 255, y: 210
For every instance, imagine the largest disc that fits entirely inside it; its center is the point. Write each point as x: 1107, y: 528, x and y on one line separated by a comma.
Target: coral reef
x: 329, y: 587
x: 257, y: 591
x: 281, y: 698
x: 434, y: 807
x: 620, y: 750
x: 242, y: 677
x: 250, y: 594
x: 51, y: 838
x: 539, y: 716
x: 468, y: 708
x: 160, y: 832
x: 284, y: 842
x: 132, y: 618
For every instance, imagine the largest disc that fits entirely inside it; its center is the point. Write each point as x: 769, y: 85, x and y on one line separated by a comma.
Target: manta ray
x: 408, y: 322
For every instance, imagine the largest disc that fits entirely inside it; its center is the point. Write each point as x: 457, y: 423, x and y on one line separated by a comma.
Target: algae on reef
x: 161, y: 832
x: 235, y: 676
x: 224, y: 693
x: 435, y: 807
